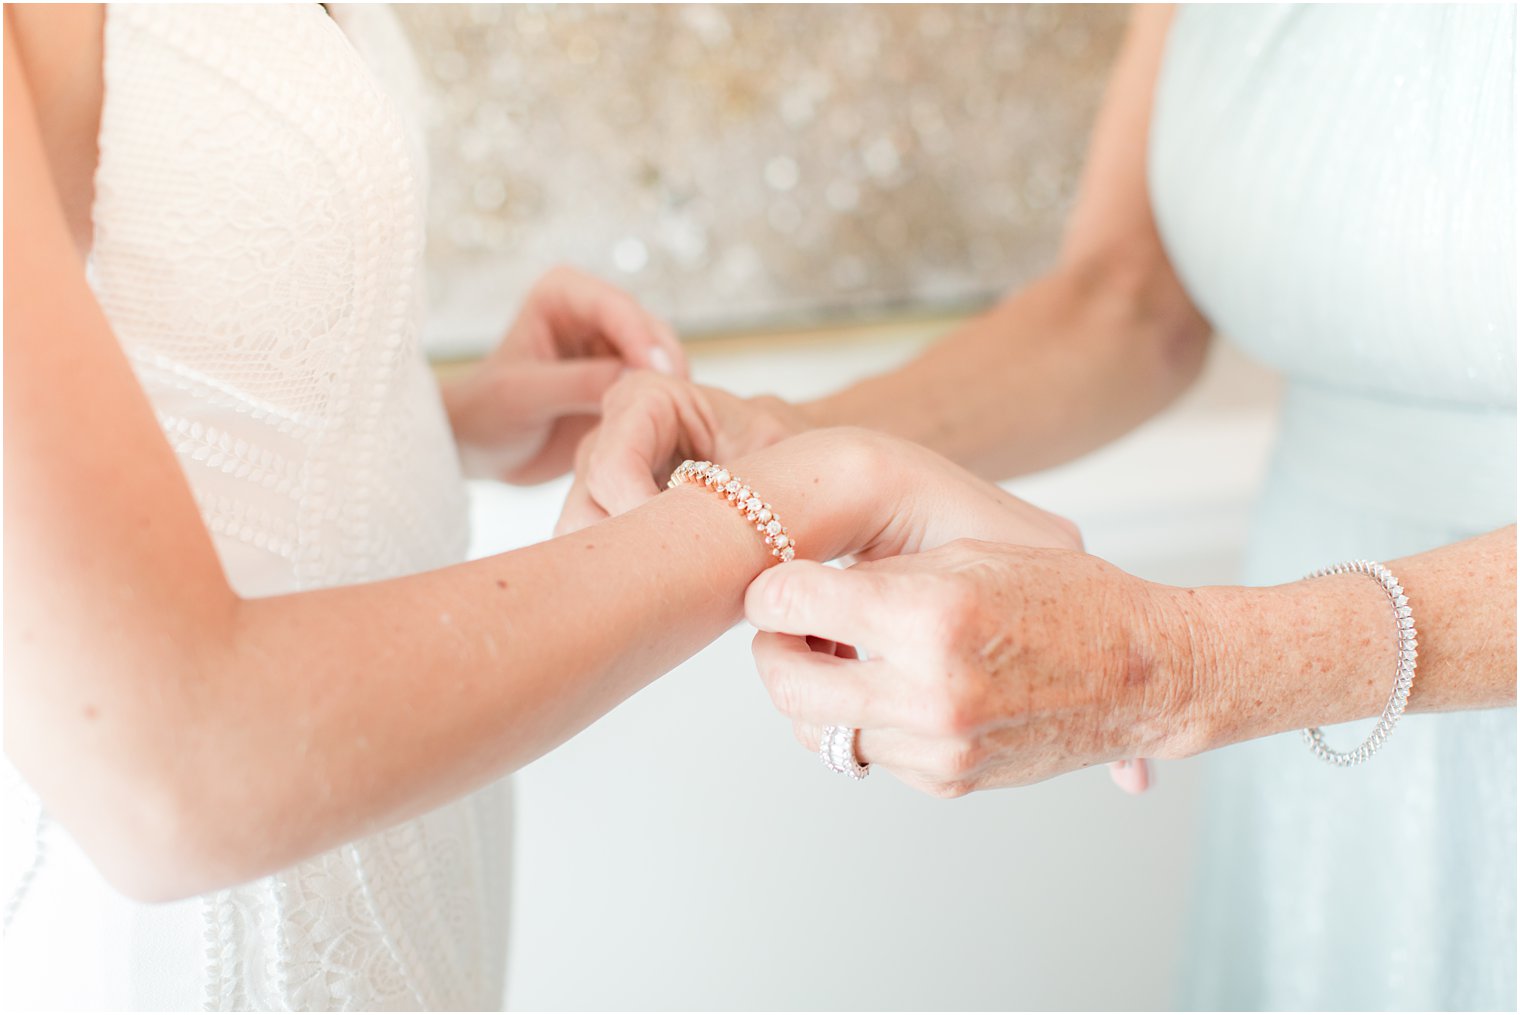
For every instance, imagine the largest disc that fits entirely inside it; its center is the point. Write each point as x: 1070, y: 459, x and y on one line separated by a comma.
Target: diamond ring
x: 837, y: 751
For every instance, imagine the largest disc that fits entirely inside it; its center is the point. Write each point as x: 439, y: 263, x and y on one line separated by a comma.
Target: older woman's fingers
x: 853, y: 606
x: 576, y: 300
x: 935, y: 766
x: 1131, y: 776
x: 887, y: 748
x: 832, y: 648
x: 646, y: 419
x: 669, y: 356
x: 824, y: 690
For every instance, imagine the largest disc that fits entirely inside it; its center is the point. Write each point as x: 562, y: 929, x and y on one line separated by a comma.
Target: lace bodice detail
x: 258, y: 243
x: 258, y: 235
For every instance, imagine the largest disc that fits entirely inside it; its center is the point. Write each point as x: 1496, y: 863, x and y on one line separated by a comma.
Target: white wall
x: 685, y: 853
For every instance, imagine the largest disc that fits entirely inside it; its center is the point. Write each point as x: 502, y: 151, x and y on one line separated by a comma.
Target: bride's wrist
x: 831, y: 488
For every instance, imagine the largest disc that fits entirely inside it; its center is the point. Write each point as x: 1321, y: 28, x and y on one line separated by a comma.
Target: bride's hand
x: 987, y: 664
x: 848, y: 492
x: 649, y: 423
x: 520, y: 413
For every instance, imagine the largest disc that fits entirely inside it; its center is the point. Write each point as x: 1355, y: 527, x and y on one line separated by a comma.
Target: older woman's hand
x: 650, y: 421
x: 519, y: 414
x: 986, y: 664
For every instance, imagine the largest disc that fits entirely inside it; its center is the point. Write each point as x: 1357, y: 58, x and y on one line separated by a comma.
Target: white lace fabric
x: 258, y: 251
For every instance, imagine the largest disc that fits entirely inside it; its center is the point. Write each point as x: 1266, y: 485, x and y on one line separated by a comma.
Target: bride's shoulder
x: 61, y: 48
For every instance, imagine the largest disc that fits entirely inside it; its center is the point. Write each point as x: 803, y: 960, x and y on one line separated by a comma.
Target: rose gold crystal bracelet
x: 738, y: 493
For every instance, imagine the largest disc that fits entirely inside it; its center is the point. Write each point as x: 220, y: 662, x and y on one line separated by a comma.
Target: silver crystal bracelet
x: 1403, y: 677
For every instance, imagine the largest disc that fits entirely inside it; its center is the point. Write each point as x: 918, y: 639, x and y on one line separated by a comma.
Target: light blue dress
x: 1336, y: 187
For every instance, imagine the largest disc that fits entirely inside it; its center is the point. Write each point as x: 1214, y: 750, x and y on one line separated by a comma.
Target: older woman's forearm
x: 1082, y: 355
x: 1069, y: 363
x: 1323, y: 650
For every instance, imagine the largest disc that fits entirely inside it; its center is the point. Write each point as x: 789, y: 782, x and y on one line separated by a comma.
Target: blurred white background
x: 684, y: 853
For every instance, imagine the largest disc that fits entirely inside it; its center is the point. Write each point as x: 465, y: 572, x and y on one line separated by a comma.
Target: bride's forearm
x: 1251, y: 662
x: 316, y: 717
x: 363, y: 705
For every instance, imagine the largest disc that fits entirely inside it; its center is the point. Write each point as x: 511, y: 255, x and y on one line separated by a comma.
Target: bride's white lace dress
x: 258, y: 245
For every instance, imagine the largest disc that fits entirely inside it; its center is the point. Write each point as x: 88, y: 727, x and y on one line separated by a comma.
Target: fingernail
x: 660, y: 360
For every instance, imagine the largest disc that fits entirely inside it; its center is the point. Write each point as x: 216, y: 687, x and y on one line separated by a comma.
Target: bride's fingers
x: 822, y: 689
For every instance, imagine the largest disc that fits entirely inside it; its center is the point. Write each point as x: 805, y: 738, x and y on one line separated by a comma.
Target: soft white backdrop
x: 684, y: 853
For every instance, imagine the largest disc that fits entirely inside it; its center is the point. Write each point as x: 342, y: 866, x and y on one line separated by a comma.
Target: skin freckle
x: 501, y: 583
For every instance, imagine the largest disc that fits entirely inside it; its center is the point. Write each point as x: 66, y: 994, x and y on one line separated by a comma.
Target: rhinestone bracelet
x: 1403, y: 677
x: 738, y: 493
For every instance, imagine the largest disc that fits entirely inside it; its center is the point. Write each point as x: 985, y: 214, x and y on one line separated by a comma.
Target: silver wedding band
x: 837, y: 751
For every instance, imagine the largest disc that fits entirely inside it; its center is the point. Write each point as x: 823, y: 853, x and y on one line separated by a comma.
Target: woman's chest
x: 1336, y: 187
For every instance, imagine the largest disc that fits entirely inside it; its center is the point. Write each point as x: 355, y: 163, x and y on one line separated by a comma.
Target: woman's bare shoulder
x: 62, y: 47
